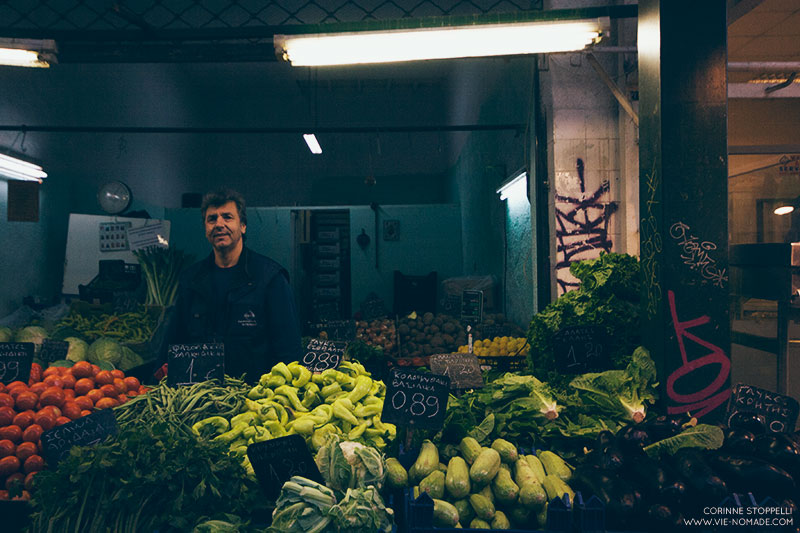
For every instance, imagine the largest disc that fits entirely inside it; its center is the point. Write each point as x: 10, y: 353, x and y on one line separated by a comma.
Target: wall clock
x: 114, y: 197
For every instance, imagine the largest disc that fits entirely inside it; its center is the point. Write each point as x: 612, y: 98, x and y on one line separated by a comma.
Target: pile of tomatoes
x: 51, y: 398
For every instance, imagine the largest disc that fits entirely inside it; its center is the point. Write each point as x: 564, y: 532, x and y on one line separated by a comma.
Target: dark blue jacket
x: 260, y: 321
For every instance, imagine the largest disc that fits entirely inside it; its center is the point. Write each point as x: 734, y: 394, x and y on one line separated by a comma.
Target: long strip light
x: 27, y: 53
x: 313, y: 143
x: 515, y: 186
x: 17, y: 169
x: 480, y: 40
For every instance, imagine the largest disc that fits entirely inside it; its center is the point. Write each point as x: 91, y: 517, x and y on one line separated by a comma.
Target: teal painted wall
x: 519, y: 264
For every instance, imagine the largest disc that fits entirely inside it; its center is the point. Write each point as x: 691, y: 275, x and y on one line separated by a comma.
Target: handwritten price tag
x: 462, y: 369
x: 276, y: 460
x: 322, y: 355
x: 85, y: 431
x: 777, y: 412
x: 579, y: 349
x: 194, y: 363
x: 416, y: 399
x: 15, y: 361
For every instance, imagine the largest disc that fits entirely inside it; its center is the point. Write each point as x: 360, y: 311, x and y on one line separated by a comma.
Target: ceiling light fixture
x: 313, y: 143
x: 514, y: 186
x: 27, y: 52
x: 17, y: 169
x: 476, y: 40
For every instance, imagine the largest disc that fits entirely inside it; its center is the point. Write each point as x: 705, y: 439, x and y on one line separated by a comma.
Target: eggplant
x: 750, y: 474
x: 611, y: 459
x: 663, y: 427
x: 748, y: 421
x: 779, y: 450
x: 632, y: 439
x: 604, y: 439
x: 662, y: 517
x: 623, y: 508
x: 691, y: 465
x: 673, y: 493
x: 739, y: 441
x: 648, y: 474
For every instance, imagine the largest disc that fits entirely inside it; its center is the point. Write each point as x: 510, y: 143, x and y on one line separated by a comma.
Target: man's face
x: 224, y: 229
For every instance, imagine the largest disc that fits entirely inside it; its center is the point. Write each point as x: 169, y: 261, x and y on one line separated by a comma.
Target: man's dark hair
x: 221, y: 197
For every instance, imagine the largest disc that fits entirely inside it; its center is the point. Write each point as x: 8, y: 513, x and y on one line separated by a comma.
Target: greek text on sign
x: 462, y: 369
x: 193, y: 363
x: 323, y: 354
x: 779, y: 412
x: 86, y: 431
x: 416, y: 399
x: 15, y: 361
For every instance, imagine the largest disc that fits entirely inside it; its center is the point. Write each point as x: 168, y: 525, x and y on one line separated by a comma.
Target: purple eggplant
x: 739, y: 441
x: 748, y: 421
x: 751, y: 474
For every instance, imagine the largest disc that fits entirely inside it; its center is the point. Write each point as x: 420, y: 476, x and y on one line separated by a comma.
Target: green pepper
x: 249, y: 432
x: 215, y: 425
x: 311, y: 387
x: 303, y: 426
x: 232, y: 434
x: 259, y: 391
x: 377, y: 442
x: 360, y: 389
x: 375, y: 389
x: 294, y: 367
x: 357, y: 431
x: 282, y: 400
x: 333, y: 397
x: 333, y: 388
x: 310, y: 399
x: 320, y: 435
x: 291, y: 393
x: 364, y: 411
x: 318, y: 379
x: 373, y: 432
x: 239, y: 451
x: 370, y: 400
x: 275, y: 381
x: 236, y: 443
x: 246, y: 418
x: 283, y: 416
x: 276, y: 429
x: 262, y: 434
x: 283, y: 370
x: 343, y: 408
x: 324, y: 412
x: 305, y: 377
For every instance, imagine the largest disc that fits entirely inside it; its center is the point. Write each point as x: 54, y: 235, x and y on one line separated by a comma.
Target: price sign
x: 194, y: 363
x: 416, y: 399
x: 462, y: 369
x: 777, y: 412
x: 85, y: 431
x: 53, y: 350
x: 276, y: 460
x: 15, y: 361
x: 471, y: 306
x: 323, y: 354
x: 579, y: 349
x: 336, y: 330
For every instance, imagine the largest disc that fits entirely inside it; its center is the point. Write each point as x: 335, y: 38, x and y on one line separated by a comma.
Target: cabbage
x: 5, y: 334
x: 77, y: 349
x: 349, y: 465
x: 104, y: 350
x: 130, y: 359
x: 34, y: 334
x: 362, y: 510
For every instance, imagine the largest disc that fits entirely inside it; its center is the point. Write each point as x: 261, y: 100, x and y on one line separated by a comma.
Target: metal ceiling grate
x: 102, y: 15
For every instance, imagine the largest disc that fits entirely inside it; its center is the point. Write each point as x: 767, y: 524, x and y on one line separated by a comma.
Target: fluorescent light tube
x: 784, y: 210
x: 27, y: 52
x: 480, y: 40
x: 515, y: 186
x: 21, y: 58
x: 313, y: 144
x: 17, y: 169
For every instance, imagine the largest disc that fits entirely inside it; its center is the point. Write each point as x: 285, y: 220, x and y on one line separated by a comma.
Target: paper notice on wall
x: 148, y: 235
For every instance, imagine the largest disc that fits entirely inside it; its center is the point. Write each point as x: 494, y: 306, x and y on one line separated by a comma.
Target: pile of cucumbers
x: 494, y: 487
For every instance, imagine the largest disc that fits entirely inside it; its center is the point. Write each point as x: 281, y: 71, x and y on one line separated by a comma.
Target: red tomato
x: 3, y: 494
x: 52, y: 396
x: 95, y: 370
x: 51, y: 371
x: 36, y: 372
x: 17, y: 478
x: 132, y: 383
x: 71, y: 410
x: 25, y: 450
x: 15, y: 384
x: 45, y: 419
x: 54, y: 381
x: 6, y: 400
x: 83, y: 386
x: 29, y: 481
x: 34, y: 463
x: 109, y: 391
x: 55, y: 411
x: 95, y: 395
x: 33, y: 433
x: 39, y: 387
x: 117, y: 373
x: 9, y: 465
x: 7, y: 448
x: 81, y: 369
x: 12, y: 433
x: 16, y: 391
x: 7, y: 415
x: 84, y: 402
x: 120, y: 385
x: 132, y: 393
x: 85, y: 412
x: 122, y: 398
x: 68, y: 381
x: 26, y: 400
x: 61, y: 420
x: 24, y: 419
x: 69, y: 395
x: 106, y: 403
x: 3, y: 388
x: 104, y: 377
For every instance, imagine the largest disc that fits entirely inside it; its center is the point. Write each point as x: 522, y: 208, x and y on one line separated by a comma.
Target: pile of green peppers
x: 291, y: 400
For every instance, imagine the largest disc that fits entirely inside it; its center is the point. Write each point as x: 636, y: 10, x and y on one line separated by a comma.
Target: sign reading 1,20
x: 323, y: 354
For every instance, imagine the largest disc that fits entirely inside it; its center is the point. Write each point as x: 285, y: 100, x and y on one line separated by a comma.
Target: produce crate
x: 504, y: 363
x: 584, y: 517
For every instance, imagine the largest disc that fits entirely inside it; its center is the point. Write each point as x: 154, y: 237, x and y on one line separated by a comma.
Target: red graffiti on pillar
x: 711, y: 396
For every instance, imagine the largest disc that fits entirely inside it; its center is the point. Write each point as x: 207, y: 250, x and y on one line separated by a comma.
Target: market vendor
x: 236, y: 296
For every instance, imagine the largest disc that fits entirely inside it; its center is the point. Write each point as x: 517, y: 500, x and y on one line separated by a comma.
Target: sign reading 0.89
x: 323, y: 354
x: 416, y: 399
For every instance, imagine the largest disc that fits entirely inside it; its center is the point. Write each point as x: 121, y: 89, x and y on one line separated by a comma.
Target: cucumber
x: 504, y: 488
x: 532, y: 496
x: 457, y: 479
x: 487, y: 493
x: 555, y: 487
x: 536, y: 466
x: 485, y: 467
x: 444, y: 514
x: 520, y: 517
x: 508, y: 452
x: 523, y: 473
x: 396, y: 475
x: 500, y: 521
x: 555, y: 465
x: 433, y: 484
x: 465, y: 512
x: 470, y: 449
x: 427, y: 461
x: 477, y: 523
x: 484, y: 509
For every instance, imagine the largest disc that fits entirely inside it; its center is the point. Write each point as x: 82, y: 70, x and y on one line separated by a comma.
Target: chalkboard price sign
x: 53, y: 350
x: 336, y: 330
x: 416, y: 399
x: 85, y: 431
x: 462, y: 369
x: 777, y: 412
x: 322, y: 355
x: 194, y: 363
x: 472, y: 306
x: 15, y: 361
x: 276, y: 460
x: 579, y: 349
